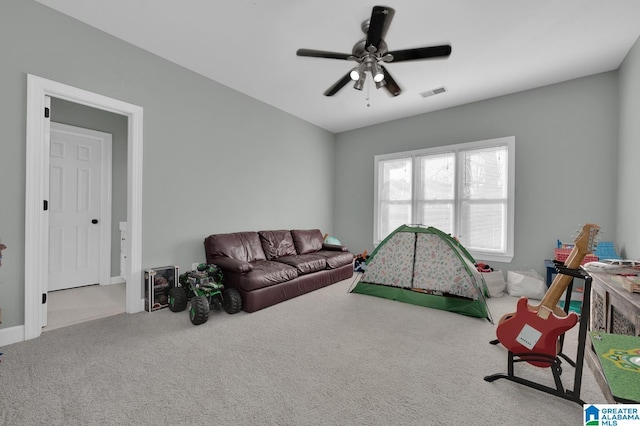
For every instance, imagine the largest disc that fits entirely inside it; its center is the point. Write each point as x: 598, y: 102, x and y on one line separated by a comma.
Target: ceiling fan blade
x: 391, y: 84
x: 421, y: 53
x: 323, y: 54
x: 381, y: 17
x: 338, y: 85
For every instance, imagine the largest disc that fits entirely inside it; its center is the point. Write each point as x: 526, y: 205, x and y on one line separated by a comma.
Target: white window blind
x: 395, y: 194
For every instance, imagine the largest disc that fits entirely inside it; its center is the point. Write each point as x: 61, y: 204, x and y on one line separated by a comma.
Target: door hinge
x: 44, y: 298
x: 45, y: 205
x: 46, y: 112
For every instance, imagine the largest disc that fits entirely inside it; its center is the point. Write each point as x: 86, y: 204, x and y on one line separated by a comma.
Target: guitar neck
x: 553, y: 295
x: 583, y: 246
x: 562, y: 281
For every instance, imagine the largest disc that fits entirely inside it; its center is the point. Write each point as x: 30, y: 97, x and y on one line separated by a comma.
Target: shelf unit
x: 157, y: 283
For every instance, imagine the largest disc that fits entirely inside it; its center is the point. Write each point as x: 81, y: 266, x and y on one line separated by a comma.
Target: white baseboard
x: 117, y: 280
x: 11, y: 335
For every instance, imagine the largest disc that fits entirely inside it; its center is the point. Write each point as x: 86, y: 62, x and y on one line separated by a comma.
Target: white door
x: 79, y: 209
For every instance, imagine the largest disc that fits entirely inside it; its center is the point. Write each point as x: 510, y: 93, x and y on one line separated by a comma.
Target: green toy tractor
x: 201, y: 290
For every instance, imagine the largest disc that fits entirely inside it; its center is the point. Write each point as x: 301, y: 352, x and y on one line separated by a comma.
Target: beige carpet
x: 77, y: 305
x: 326, y: 358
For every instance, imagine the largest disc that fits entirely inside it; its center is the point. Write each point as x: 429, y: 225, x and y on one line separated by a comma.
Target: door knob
x: 94, y: 221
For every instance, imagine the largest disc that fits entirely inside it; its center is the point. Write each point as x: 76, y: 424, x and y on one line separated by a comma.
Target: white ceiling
x: 499, y: 47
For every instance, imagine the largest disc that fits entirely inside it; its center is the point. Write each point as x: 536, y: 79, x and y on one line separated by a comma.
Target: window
x: 466, y: 190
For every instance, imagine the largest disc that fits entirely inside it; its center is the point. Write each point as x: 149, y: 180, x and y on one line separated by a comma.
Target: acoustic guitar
x: 534, y: 330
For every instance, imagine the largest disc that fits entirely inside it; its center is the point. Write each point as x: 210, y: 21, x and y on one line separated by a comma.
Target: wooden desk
x: 613, y: 310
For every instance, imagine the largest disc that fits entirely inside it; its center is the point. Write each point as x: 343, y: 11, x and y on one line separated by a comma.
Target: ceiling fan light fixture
x: 358, y: 72
x: 376, y: 72
x: 359, y: 84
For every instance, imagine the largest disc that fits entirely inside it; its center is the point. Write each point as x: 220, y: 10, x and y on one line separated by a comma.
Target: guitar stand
x: 555, y: 362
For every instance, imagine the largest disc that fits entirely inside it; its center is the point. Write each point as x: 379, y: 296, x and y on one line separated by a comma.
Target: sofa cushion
x: 334, y: 247
x: 336, y: 259
x: 233, y: 265
x: 305, y: 263
x: 265, y: 273
x: 277, y: 243
x: 307, y: 241
x: 239, y: 245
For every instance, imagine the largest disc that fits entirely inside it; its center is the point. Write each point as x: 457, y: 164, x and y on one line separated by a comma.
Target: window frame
x: 507, y: 141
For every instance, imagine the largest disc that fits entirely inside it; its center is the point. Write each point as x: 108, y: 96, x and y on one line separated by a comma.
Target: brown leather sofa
x: 269, y: 267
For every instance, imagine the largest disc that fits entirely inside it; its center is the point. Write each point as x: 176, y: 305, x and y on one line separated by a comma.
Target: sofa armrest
x: 333, y: 247
x: 233, y: 265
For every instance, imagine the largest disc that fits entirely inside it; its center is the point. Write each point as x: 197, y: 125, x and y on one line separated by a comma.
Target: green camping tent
x: 424, y: 266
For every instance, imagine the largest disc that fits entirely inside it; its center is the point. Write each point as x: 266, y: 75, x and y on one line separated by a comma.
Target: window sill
x: 504, y: 258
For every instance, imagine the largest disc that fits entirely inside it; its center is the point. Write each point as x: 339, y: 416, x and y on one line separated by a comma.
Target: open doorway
x: 37, y: 195
x: 87, y: 206
x: 81, y: 304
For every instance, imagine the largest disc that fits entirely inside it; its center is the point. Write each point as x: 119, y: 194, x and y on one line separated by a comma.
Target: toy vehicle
x: 200, y: 290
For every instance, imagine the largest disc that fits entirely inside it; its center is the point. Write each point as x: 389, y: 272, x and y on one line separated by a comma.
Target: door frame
x: 105, y: 140
x: 36, y: 265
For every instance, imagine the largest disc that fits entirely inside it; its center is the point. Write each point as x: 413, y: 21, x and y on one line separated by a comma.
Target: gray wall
x: 214, y: 160
x: 218, y: 161
x: 566, y: 156
x: 628, y: 208
x: 90, y: 118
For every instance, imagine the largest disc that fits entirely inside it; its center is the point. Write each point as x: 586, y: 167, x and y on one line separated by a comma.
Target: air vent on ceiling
x: 432, y: 92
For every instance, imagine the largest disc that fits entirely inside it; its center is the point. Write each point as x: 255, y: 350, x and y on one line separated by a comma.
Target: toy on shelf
x: 158, y: 281
x: 606, y: 250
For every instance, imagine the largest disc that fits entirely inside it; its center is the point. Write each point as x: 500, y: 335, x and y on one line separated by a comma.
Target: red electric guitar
x: 536, y: 329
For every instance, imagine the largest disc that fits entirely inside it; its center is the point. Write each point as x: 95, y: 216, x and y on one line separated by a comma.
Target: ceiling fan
x: 371, y: 51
